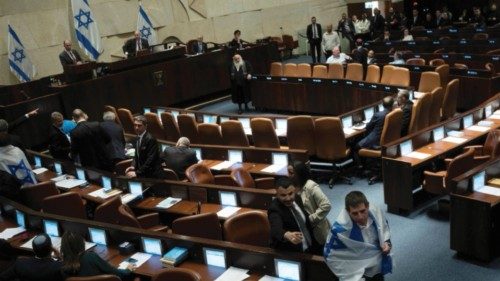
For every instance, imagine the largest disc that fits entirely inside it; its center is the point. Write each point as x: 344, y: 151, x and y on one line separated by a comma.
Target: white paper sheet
x: 456, y: 134
x: 223, y: 165
x: 11, y: 232
x: 270, y: 278
x: 281, y: 132
x: 454, y: 140
x: 417, y: 155
x: 348, y: 131
x: 248, y: 131
x: 70, y: 183
x: 228, y: 211
x: 273, y: 168
x: 40, y: 171
x: 478, y: 128
x: 495, y: 117
x: 59, y: 178
x: 490, y: 190
x: 140, y: 257
x: 168, y: 202
x: 128, y: 197
x: 104, y: 195
x: 233, y: 274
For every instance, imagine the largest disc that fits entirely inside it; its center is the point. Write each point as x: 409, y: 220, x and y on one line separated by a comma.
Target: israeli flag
x: 145, y: 27
x: 19, y: 63
x: 86, y: 29
x: 14, y: 162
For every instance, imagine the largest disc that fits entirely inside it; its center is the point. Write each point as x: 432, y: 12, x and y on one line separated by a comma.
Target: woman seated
x: 406, y: 35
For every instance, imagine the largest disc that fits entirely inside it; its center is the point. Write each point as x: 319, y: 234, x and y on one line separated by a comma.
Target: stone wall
x: 42, y: 25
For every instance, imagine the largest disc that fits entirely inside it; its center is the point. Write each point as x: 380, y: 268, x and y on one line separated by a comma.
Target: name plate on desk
x: 452, y: 30
x: 269, y: 78
x: 347, y: 82
x: 284, y: 79
x: 436, y: 43
x: 462, y: 41
x: 411, y: 43
x: 317, y: 81
x: 428, y: 31
x: 467, y: 57
x: 361, y: 84
x: 388, y: 43
x: 373, y: 86
x: 335, y: 81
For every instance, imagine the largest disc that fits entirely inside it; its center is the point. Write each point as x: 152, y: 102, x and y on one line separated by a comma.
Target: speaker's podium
x: 79, y: 72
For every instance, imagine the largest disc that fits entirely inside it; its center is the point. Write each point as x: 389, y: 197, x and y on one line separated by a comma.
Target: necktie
x: 138, y: 45
x: 138, y: 149
x: 302, y: 225
x: 72, y: 56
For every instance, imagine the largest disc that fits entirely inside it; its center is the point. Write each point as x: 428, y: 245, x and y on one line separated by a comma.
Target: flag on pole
x: 145, y: 27
x: 19, y: 63
x: 86, y: 28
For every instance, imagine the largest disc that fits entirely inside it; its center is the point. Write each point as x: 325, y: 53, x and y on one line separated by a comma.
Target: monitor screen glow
x: 289, y: 270
x: 209, y: 119
x: 80, y: 174
x: 245, y: 122
x: 280, y: 159
x: 478, y: 180
x: 347, y: 122
x: 228, y: 198
x: 224, y: 119
x: 58, y: 168
x: 20, y: 219
x: 438, y: 133
x: 147, y: 110
x: 281, y: 124
x: 38, y: 162
x: 235, y: 156
x: 215, y: 257
x: 369, y: 113
x: 135, y: 187
x: 198, y: 153
x: 106, y: 183
x: 151, y: 246
x: 97, y: 236
x: 468, y: 121
x: 488, y: 110
x: 51, y: 228
x: 406, y: 147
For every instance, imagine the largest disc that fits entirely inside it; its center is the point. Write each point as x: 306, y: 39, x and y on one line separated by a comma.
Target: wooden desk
x: 473, y: 61
x: 454, y: 45
x: 457, y: 31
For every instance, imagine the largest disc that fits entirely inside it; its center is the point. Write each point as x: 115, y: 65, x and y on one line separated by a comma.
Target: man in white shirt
x: 330, y: 40
x: 337, y: 56
x: 398, y: 59
x: 362, y: 27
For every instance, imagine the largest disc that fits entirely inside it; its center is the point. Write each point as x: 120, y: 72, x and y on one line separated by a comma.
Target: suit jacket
x: 33, y: 269
x: 88, y: 142
x: 310, y: 32
x: 179, y: 159
x: 147, y: 161
x: 130, y: 45
x: 59, y: 145
x: 14, y: 139
x: 415, y: 21
x: 116, y: 147
x: 10, y: 186
x: 372, y: 61
x: 405, y: 124
x: 360, y: 55
x: 282, y: 220
x: 374, y: 130
x: 195, y: 48
x: 342, y: 30
x: 378, y: 24
x: 317, y: 205
x: 65, y: 58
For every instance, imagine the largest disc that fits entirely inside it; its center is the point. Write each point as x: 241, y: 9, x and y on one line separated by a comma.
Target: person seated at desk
x: 359, y: 243
x: 69, y: 56
x: 406, y: 106
x: 10, y: 186
x: 59, y: 145
x: 360, y: 53
x: 180, y: 157
x: 134, y: 45
x: 41, y: 267
x: 199, y: 47
x: 398, y: 58
x: 147, y: 161
x: 406, y: 35
x: 237, y: 42
x: 477, y: 19
x: 337, y: 57
x: 445, y: 21
x: 290, y: 226
x: 370, y: 59
x: 78, y: 262
x: 386, y: 37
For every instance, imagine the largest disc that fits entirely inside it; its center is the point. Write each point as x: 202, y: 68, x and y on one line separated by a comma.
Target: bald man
x: 69, y: 56
x: 133, y: 45
x: 240, y: 81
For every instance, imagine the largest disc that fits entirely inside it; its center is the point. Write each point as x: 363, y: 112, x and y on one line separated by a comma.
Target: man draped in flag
x: 19, y: 62
x: 86, y: 29
x: 12, y: 159
x: 359, y: 244
x: 145, y: 27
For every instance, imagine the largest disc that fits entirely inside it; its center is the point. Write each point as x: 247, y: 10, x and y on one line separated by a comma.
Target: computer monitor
x: 151, y: 246
x: 228, y: 198
x: 38, y: 161
x: 411, y: 94
x: 209, y: 119
x: 198, y: 153
x: 164, y: 146
x: 191, y: 114
x: 20, y: 219
x: 106, y: 183
x: 347, y: 122
x: 468, y: 121
x: 135, y: 188
x: 380, y: 107
x: 215, y: 257
x: 58, y: 168
x: 97, y: 236
x: 281, y: 124
x: 478, y: 180
x: 159, y: 111
x: 369, y: 113
x: 280, y: 159
x: 438, y: 133
x: 235, y: 156
x: 224, y: 119
x: 147, y: 110
x: 245, y: 122
x: 406, y: 147
x: 51, y: 228
x: 175, y: 114
x: 80, y: 174
x: 488, y: 110
x: 289, y: 270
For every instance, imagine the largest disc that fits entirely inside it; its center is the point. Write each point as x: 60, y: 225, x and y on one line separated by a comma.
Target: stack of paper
x: 104, y: 195
x: 478, y: 128
x: 273, y: 168
x: 454, y: 140
x: 228, y: 211
x: 138, y: 258
x: 169, y: 202
x: 39, y: 171
x: 456, y: 134
x: 223, y: 165
x: 233, y: 274
x: 70, y: 183
x: 417, y: 155
x: 11, y: 232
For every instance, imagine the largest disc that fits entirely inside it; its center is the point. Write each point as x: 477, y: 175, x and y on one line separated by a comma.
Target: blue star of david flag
x: 145, y: 26
x: 19, y: 63
x: 87, y: 32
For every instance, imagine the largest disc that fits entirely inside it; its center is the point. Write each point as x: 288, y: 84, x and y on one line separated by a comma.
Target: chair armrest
x: 478, y: 149
x: 149, y: 220
x: 447, y: 162
x: 434, y: 182
x: 265, y: 183
x: 225, y: 180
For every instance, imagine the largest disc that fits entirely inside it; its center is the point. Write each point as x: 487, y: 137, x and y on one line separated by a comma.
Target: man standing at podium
x: 133, y: 45
x: 69, y: 56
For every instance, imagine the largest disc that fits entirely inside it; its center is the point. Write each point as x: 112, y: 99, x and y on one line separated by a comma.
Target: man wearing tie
x: 199, y: 47
x: 290, y: 226
x: 134, y: 45
x: 314, y: 33
x: 69, y: 56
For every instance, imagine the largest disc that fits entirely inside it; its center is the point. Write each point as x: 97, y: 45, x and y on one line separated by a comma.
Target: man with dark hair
x: 59, y: 145
x: 359, y: 243
x: 406, y: 106
x: 147, y: 161
x: 237, y: 42
x: 314, y: 34
x: 290, y: 226
x: 360, y: 53
x: 378, y: 23
x: 38, y: 268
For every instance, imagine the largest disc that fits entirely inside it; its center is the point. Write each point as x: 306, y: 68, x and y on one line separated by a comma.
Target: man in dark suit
x: 116, y: 147
x: 69, y: 56
x: 147, y: 161
x: 370, y: 57
x: 180, y: 157
x: 15, y: 140
x: 314, y: 34
x: 133, y: 45
x: 378, y: 23
x: 415, y: 20
x: 346, y: 29
x: 406, y: 106
x: 59, y: 145
x: 41, y: 267
x: 360, y: 54
x: 241, y: 75
x: 199, y: 47
x: 374, y: 128
x: 89, y: 142
x: 290, y: 226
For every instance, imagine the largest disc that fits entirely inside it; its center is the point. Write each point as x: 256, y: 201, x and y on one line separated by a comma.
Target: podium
x: 79, y: 72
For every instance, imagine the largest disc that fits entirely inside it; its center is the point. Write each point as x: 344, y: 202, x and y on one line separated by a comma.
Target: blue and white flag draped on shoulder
x: 145, y: 26
x: 14, y: 162
x: 86, y: 28
x: 19, y: 62
x: 348, y: 256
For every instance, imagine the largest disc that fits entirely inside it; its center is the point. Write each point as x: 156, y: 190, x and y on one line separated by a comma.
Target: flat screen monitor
x: 406, y: 147
x: 369, y: 113
x: 215, y: 257
x: 245, y: 122
x: 159, y: 111
x: 488, y: 110
x: 281, y: 124
x: 175, y: 114
x: 135, y: 188
x: 224, y: 119
x: 438, y: 133
x: 380, y: 107
x: 347, y: 122
x: 51, y: 228
x: 209, y: 119
x: 38, y: 161
x: 468, y: 121
x: 58, y: 168
x: 147, y: 110
x: 280, y: 159
x: 198, y: 153
x: 164, y: 146
x: 478, y: 180
x: 80, y: 174
x: 227, y: 198
x: 97, y: 236
x: 235, y: 156
x: 106, y: 183
x: 151, y: 246
x: 20, y: 219
x: 289, y: 270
